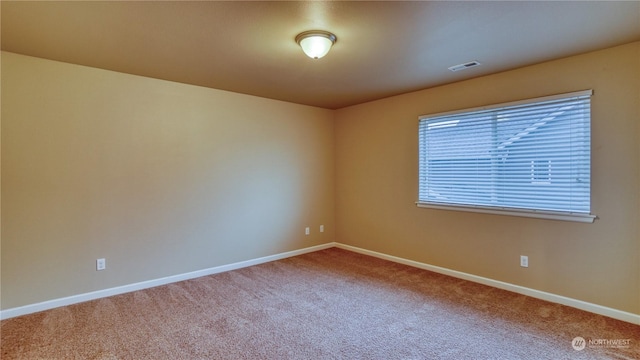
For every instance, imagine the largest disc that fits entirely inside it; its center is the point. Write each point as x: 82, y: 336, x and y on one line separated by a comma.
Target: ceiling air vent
x: 470, y: 64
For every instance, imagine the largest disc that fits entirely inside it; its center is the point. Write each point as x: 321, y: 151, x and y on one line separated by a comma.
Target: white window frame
x: 503, y: 210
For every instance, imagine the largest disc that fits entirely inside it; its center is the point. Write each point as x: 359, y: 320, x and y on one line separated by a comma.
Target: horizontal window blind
x: 531, y: 155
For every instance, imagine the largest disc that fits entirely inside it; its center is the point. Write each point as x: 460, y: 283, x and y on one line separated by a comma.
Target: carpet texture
x: 330, y: 304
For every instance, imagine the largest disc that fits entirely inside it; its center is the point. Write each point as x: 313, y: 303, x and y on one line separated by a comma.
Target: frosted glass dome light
x: 316, y: 43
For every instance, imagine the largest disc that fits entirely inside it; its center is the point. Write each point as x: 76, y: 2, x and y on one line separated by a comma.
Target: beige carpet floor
x: 331, y: 304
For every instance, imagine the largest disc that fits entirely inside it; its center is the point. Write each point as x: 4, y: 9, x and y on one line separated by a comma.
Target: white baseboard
x: 70, y: 300
x: 578, y: 304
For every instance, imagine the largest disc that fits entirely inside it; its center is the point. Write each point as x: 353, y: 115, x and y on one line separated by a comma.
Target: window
x: 541, y: 171
x: 527, y: 158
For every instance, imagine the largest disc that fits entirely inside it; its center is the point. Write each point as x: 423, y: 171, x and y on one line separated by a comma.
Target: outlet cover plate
x: 101, y: 264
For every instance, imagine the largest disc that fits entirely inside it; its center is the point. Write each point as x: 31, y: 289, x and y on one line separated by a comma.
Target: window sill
x: 549, y: 215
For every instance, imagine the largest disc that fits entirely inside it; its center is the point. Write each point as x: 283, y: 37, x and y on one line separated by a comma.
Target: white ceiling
x: 384, y: 48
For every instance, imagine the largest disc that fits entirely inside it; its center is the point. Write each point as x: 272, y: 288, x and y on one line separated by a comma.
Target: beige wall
x: 159, y: 178
x: 163, y: 178
x: 376, y: 185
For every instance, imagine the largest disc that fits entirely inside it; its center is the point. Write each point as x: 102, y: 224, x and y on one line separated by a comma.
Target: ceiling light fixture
x: 316, y: 43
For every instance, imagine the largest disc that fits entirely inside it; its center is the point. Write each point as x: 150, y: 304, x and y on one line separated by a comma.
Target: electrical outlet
x: 321, y: 228
x: 307, y: 231
x: 101, y: 264
x: 524, y: 261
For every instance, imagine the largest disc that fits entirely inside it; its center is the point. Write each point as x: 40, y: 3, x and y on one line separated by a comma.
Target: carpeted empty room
x: 319, y: 180
x: 329, y: 304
